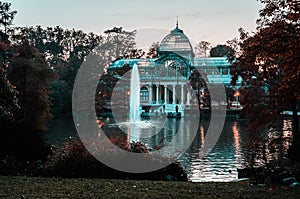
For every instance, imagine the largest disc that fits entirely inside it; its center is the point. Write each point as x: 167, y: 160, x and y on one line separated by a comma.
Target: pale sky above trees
x: 215, y: 21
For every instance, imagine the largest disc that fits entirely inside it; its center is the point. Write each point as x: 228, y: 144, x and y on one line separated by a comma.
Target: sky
x: 215, y: 21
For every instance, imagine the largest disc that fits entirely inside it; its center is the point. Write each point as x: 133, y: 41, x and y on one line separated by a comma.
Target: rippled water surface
x: 219, y: 165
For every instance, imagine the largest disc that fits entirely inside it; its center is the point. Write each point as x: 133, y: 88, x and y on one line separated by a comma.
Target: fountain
x: 134, y: 113
x: 137, y: 129
x: 134, y: 108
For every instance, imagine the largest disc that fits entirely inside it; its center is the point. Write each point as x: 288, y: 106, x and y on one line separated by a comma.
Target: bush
x: 275, y: 172
x: 10, y: 165
x: 73, y: 160
x: 19, y: 140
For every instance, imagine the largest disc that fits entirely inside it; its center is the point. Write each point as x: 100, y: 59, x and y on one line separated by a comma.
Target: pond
x: 220, y: 165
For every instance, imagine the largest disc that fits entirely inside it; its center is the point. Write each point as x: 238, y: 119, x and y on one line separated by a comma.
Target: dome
x: 177, y: 42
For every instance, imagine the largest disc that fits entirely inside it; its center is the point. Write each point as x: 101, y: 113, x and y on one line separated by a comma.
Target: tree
x: 8, y: 98
x: 133, y: 54
x: 31, y: 75
x: 106, y: 86
x: 6, y: 18
x: 152, y: 52
x: 221, y: 51
x: 118, y: 42
x: 202, y: 47
x: 60, y: 97
x: 24, y: 102
x: 64, y: 51
x: 198, y: 83
x: 270, y: 66
x: 235, y: 44
x: 279, y: 10
x: 8, y: 93
x: 6, y: 15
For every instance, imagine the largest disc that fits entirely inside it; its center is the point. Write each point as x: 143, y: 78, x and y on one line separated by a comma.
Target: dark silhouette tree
x: 133, y: 54
x: 198, y: 82
x: 152, y: 52
x: 235, y: 45
x: 221, y: 51
x: 6, y: 15
x: 6, y: 18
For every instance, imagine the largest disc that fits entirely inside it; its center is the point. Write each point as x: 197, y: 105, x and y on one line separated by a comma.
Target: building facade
x: 166, y: 81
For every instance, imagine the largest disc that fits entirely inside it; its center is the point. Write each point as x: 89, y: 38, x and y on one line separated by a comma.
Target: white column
x: 157, y: 87
x: 188, y: 98
x: 174, y: 96
x: 182, y: 94
x: 150, y: 94
x: 165, y: 93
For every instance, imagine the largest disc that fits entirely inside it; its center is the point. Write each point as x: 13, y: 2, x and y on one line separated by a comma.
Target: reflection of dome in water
x: 177, y: 42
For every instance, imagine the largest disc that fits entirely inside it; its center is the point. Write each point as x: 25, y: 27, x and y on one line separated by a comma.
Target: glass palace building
x: 165, y: 81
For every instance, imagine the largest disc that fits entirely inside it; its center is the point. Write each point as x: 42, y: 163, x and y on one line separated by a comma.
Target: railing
x: 181, y: 78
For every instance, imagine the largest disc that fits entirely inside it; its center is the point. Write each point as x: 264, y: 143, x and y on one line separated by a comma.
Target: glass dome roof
x: 177, y: 42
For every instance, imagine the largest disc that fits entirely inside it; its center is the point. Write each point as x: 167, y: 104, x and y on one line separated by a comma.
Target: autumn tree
x: 202, y: 48
x: 24, y: 100
x: 31, y: 75
x: 270, y: 66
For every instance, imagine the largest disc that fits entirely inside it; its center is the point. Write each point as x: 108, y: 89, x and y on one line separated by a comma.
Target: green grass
x: 37, y: 187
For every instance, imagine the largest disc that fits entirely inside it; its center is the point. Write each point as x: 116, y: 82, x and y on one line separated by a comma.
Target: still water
x: 223, y: 160
x: 230, y: 152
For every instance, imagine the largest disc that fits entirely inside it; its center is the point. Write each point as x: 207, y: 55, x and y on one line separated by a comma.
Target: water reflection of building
x: 165, y: 80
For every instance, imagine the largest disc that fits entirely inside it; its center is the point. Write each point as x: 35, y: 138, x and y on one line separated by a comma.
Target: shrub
x: 73, y: 160
x: 22, y: 142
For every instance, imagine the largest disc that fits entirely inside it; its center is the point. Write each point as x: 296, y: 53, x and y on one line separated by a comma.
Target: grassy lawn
x: 37, y: 187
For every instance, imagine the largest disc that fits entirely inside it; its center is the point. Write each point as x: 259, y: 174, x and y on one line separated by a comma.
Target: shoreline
x: 41, y: 187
